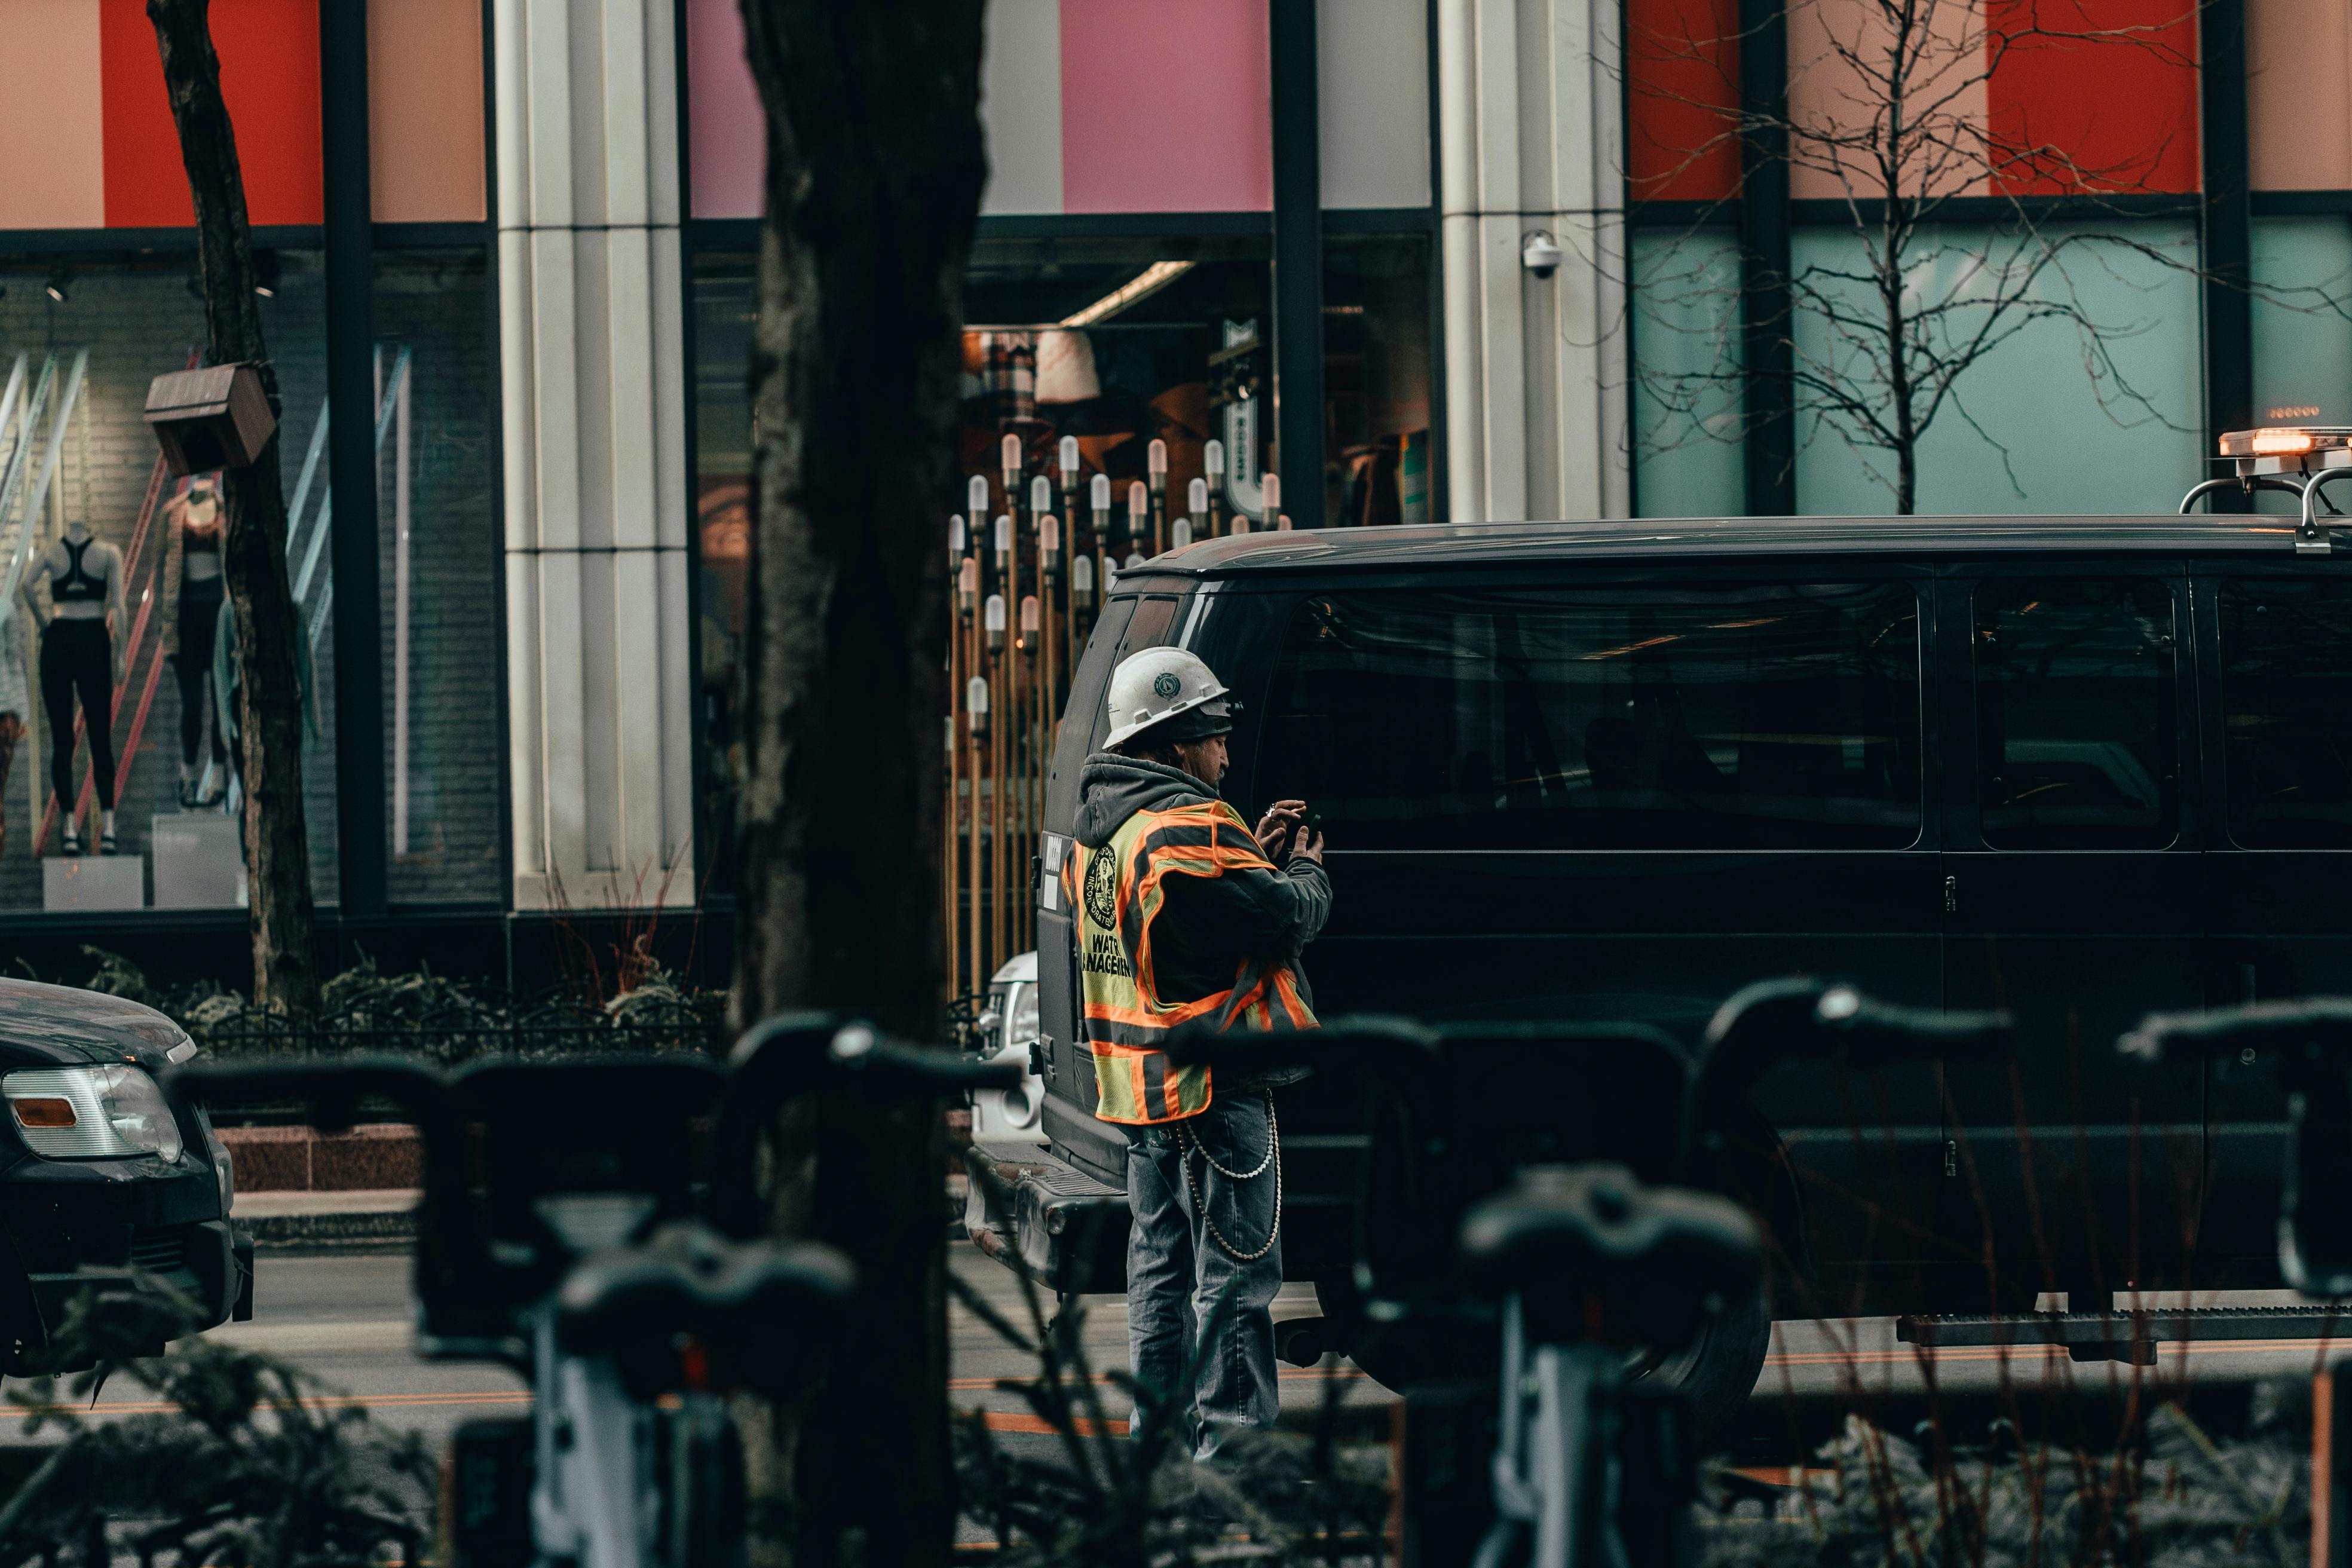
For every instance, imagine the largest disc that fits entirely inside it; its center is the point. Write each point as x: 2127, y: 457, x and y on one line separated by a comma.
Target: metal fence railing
x: 455, y: 1028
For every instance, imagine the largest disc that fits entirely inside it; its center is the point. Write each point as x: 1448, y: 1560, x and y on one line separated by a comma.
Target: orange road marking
x: 1022, y: 1421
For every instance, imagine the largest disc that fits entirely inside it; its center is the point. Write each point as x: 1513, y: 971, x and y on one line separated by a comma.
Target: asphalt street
x: 346, y: 1321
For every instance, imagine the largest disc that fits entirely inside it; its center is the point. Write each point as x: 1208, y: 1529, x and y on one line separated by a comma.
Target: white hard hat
x: 1155, y: 684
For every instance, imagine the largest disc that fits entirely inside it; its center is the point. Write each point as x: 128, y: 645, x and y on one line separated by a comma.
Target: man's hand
x: 1309, y: 847
x: 1274, y: 827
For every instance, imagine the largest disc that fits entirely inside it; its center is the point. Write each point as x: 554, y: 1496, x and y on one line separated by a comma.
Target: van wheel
x: 1397, y: 1358
x: 1718, y: 1370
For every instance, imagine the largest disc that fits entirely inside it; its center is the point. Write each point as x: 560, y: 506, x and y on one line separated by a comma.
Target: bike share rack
x: 570, y: 1230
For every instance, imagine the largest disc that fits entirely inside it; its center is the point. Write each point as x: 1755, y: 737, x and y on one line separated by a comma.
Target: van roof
x: 1504, y: 543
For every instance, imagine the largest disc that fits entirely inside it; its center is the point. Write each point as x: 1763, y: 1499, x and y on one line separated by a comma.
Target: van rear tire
x: 1720, y: 1369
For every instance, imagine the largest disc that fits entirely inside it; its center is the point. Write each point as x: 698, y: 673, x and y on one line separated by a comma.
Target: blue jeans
x: 1178, y: 1272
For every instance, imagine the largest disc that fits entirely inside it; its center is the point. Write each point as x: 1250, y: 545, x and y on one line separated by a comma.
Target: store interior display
x: 1116, y: 403
x: 84, y: 574
x: 193, y: 593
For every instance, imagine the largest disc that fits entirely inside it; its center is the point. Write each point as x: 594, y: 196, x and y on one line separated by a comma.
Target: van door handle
x: 1951, y: 895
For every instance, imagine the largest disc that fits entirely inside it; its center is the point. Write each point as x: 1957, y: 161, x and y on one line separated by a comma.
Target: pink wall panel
x: 1831, y: 48
x: 424, y: 112
x: 52, y: 144
x: 727, y: 130
x: 2298, y: 108
x: 1165, y: 108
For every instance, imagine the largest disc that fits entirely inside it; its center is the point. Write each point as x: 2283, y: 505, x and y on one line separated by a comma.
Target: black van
x: 2079, y: 767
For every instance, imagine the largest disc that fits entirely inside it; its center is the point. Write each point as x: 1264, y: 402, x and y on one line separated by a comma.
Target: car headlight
x: 91, y: 1113
x: 1021, y: 1026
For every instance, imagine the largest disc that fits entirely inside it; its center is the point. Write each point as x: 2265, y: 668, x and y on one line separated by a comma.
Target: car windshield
x: 1639, y: 718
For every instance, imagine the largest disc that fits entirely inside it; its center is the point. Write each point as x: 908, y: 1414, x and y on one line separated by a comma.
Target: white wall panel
x: 595, y: 453
x: 1373, y: 87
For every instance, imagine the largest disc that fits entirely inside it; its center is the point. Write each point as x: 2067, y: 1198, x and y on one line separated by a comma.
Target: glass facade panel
x: 2075, y: 696
x: 723, y: 312
x: 1685, y: 393
x: 1602, y: 718
x: 1377, y: 381
x: 2286, y: 711
x: 2303, y: 334
x: 441, y: 574
x: 2057, y: 418
x: 135, y: 318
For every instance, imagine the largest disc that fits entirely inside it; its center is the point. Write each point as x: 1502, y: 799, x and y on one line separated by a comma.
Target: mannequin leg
x: 12, y: 730
x: 94, y: 684
x: 57, y: 702
x: 200, y: 610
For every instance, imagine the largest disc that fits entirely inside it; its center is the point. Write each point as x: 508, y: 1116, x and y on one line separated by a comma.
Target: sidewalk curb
x: 366, y: 1230
x: 359, y: 1230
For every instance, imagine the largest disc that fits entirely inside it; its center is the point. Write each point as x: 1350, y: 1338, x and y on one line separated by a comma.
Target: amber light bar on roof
x: 2286, y: 441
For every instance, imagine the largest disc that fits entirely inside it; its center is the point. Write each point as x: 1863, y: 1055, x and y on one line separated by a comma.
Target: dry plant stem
x: 874, y: 173
x: 277, y: 839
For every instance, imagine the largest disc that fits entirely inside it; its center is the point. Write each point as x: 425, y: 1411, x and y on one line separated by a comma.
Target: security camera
x: 1540, y: 254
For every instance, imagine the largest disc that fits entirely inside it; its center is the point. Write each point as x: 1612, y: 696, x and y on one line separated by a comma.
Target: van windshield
x: 1602, y: 718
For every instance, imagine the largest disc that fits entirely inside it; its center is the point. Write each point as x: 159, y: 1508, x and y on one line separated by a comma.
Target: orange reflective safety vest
x: 1115, y: 892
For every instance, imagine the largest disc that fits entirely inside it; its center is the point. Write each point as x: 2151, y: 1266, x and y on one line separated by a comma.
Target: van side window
x: 2076, y: 722
x: 1602, y: 718
x: 1153, y: 625
x: 2286, y: 711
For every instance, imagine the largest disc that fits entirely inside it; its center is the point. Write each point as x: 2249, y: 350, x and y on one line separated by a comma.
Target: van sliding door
x: 2279, y: 697
x: 2076, y: 899
x: 1623, y: 800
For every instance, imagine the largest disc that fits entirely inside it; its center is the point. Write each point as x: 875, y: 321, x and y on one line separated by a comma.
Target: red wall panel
x: 2111, y: 112
x: 270, y: 75
x: 1682, y: 86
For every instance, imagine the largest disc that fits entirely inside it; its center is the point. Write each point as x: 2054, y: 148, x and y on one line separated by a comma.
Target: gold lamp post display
x: 1045, y: 640
x: 1212, y: 464
x: 1082, y: 603
x: 1031, y: 772
x: 994, y: 703
x: 1138, y: 504
x: 1156, y: 470
x: 1099, y: 503
x: 1271, y: 485
x: 1196, y: 505
x: 959, y: 612
x: 975, y: 708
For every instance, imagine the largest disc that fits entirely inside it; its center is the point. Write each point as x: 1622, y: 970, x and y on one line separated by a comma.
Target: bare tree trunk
x: 875, y: 168
x: 276, y: 840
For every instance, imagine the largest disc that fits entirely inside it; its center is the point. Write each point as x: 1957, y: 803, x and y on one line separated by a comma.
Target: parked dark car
x: 102, y: 1167
x: 2078, y: 767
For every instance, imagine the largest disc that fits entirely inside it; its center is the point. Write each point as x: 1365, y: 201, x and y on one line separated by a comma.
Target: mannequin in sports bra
x: 193, y: 595
x: 78, y: 662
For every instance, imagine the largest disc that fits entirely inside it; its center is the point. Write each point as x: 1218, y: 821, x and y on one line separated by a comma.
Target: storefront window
x: 724, y: 312
x: 1117, y: 343
x: 1377, y: 380
x: 440, y: 574
x: 125, y: 320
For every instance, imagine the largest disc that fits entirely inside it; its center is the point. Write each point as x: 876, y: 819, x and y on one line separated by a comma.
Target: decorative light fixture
x: 265, y: 274
x: 60, y: 276
x: 1149, y: 281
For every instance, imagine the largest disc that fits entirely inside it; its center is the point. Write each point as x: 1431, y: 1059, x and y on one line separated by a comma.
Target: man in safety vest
x: 1184, y: 913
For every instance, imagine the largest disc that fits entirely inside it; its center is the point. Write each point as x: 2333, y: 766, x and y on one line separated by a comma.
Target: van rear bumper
x: 1046, y: 1219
